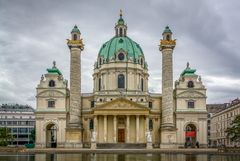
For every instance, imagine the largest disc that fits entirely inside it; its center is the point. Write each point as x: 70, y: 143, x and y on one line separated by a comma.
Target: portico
x: 121, y: 121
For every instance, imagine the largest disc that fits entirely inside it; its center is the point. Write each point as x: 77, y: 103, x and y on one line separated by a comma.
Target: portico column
x: 96, y: 125
x: 115, y: 128
x: 137, y: 128
x: 128, y: 130
x: 147, y: 124
x: 105, y: 128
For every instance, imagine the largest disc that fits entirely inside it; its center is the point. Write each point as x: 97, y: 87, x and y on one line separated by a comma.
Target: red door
x: 121, y: 135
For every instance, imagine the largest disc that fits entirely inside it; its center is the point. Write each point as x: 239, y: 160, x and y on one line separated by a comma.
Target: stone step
x: 121, y: 146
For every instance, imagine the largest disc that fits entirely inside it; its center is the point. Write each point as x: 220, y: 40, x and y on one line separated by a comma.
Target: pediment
x: 121, y: 104
x: 51, y: 93
x: 190, y: 94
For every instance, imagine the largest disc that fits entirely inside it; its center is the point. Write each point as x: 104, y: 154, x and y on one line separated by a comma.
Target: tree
x: 5, y: 136
x: 33, y: 135
x: 233, y: 132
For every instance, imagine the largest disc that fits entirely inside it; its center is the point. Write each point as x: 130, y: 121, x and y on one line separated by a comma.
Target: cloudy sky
x: 33, y: 33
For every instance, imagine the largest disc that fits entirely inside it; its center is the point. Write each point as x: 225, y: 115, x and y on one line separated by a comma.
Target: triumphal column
x: 168, y: 130
x: 75, y: 127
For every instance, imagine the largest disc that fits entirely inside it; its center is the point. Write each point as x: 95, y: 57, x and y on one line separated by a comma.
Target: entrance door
x: 190, y: 136
x: 51, y: 136
x: 121, y: 135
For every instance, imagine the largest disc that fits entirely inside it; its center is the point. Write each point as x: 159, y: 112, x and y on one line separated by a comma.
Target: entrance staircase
x: 121, y: 146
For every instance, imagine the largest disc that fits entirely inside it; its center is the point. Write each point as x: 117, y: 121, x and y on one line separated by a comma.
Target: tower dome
x: 120, y: 67
x: 110, y: 50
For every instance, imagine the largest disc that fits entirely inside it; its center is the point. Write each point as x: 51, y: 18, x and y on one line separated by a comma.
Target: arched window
x: 121, y: 31
x: 99, y: 84
x: 120, y: 56
x: 168, y: 37
x: 51, y: 83
x: 150, y: 125
x: 190, y: 84
x: 100, y: 61
x: 142, y: 85
x: 121, y: 81
x: 75, y: 37
x: 141, y: 61
x: 91, y: 125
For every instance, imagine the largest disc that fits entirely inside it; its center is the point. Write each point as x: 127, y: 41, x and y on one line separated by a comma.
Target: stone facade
x: 120, y: 111
x: 220, y: 121
x: 51, y: 113
x: 190, y: 97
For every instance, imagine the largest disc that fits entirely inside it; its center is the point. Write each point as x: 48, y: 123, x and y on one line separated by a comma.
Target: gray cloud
x: 33, y: 34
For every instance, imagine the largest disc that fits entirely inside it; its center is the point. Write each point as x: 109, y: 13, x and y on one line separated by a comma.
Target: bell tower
x: 168, y: 130
x: 75, y: 127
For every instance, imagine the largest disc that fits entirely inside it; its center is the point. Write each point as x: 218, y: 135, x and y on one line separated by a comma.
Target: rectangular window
x: 150, y: 104
x: 190, y: 104
x: 91, y: 124
x: 14, y: 130
x: 51, y: 104
x: 23, y: 130
x: 92, y: 104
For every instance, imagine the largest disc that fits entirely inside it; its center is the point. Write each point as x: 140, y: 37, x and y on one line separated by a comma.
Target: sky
x: 33, y: 34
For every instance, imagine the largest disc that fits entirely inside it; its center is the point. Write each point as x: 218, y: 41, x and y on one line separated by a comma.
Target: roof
x: 120, y: 20
x: 110, y: 48
x: 167, y: 30
x: 54, y: 69
x: 16, y: 107
x: 75, y: 30
x: 188, y: 71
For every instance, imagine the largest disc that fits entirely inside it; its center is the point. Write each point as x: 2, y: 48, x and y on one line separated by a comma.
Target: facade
x: 120, y: 111
x: 220, y: 121
x: 212, y: 109
x: 20, y: 119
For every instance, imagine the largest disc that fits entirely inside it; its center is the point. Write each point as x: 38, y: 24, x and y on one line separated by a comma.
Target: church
x: 120, y: 112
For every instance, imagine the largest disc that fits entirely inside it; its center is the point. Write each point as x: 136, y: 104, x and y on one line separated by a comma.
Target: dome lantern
x: 121, y: 27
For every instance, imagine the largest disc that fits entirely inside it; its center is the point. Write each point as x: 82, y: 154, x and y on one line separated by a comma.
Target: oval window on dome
x: 120, y: 56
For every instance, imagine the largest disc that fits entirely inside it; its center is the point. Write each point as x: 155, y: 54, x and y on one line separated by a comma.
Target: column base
x: 93, y: 145
x: 149, y: 145
x: 40, y: 145
x: 168, y: 146
x: 73, y: 137
x: 73, y: 145
x: 168, y: 138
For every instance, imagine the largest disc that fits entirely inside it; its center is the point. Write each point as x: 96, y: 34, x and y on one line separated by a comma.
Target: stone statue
x: 149, y: 137
x: 54, y: 64
x: 42, y: 78
x: 199, y: 79
x: 94, y: 136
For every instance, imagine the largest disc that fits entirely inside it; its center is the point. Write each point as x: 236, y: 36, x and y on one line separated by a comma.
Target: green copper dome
x: 111, y: 48
x: 121, y: 21
x: 54, y: 69
x: 167, y: 30
x: 188, y: 71
x: 75, y: 30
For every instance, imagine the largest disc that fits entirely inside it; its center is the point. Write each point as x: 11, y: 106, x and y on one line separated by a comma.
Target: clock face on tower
x: 120, y: 56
